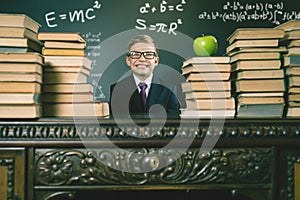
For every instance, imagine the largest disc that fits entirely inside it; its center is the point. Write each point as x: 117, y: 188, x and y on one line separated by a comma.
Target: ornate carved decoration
x: 115, y: 167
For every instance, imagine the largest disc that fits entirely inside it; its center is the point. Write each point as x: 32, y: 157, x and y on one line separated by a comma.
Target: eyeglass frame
x: 129, y: 54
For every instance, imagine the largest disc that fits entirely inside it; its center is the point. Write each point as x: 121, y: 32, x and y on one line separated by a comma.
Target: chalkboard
x: 107, y: 26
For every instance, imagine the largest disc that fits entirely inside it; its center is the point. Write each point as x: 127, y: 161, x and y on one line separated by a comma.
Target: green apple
x: 205, y: 45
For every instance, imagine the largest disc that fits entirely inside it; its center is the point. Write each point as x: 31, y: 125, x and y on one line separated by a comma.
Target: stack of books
x: 20, y: 67
x: 291, y: 63
x: 257, y: 72
x: 207, y: 88
x: 66, y: 91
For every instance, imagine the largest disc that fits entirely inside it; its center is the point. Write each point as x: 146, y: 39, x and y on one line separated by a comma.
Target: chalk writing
x: 238, y: 12
x: 73, y: 16
x: 93, y: 48
x: 98, y: 90
x: 164, y: 6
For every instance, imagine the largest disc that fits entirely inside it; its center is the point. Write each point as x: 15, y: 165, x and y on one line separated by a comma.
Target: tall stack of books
x: 66, y: 92
x: 291, y: 63
x: 207, y: 88
x: 257, y: 72
x: 20, y: 67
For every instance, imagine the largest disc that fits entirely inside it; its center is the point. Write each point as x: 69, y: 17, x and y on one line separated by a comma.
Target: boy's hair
x: 142, y: 39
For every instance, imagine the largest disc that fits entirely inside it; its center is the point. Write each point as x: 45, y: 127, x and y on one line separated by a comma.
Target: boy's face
x: 141, y: 66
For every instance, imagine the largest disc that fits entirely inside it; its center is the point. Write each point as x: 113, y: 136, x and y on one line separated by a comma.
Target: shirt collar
x: 147, y: 81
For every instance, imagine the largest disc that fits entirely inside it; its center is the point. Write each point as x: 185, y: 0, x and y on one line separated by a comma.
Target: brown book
x: 294, y: 97
x: 294, y: 43
x: 293, y: 89
x: 293, y: 51
x: 280, y: 49
x: 19, y: 20
x: 260, y: 74
x: 218, y: 76
x: 65, y: 77
x: 23, y: 87
x: 63, y: 52
x: 289, y: 25
x: 266, y: 85
x: 64, y: 45
x: 207, y: 114
x: 18, y: 32
x: 73, y: 69
x: 206, y: 86
x: 293, y: 34
x: 255, y: 33
x: 294, y: 80
x: 24, y: 57
x: 207, y: 94
x: 292, y: 71
x: 21, y: 77
x: 197, y: 68
x: 20, y: 98
x: 68, y: 88
x: 20, y: 111
x: 61, y: 36
x: 67, y: 98
x: 256, y: 64
x: 68, y: 61
x: 255, y: 56
x: 206, y: 60
x: 293, y: 112
x: 15, y: 67
x: 252, y: 43
x: 92, y: 109
x: 21, y: 42
x: 260, y: 100
x: 211, y: 104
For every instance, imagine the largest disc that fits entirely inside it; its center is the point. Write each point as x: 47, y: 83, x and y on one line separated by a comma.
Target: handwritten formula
x: 238, y: 12
x: 72, y: 16
x: 164, y: 7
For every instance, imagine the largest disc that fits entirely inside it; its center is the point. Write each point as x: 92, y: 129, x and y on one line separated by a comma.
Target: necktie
x: 143, y: 87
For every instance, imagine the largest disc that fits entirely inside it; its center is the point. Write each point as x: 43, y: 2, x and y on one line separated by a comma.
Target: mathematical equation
x: 73, y: 16
x: 164, y: 6
x: 237, y: 12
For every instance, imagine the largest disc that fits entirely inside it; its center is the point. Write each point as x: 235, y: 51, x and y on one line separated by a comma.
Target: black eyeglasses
x: 136, y: 55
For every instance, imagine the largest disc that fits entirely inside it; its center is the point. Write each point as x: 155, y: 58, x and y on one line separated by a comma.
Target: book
x: 293, y: 89
x: 256, y: 64
x: 289, y: 25
x: 293, y: 51
x: 64, y: 44
x: 293, y: 43
x: 68, y: 61
x: 292, y: 71
x: 20, y: 111
x: 63, y: 52
x: 73, y: 69
x: 211, y: 104
x: 20, y: 98
x: 21, y: 87
x: 207, y: 94
x: 68, y: 88
x: 291, y: 60
x: 261, y: 94
x: 260, y: 100
x: 260, y: 110
x: 22, y: 57
x: 260, y: 74
x: 19, y: 20
x: 18, y: 32
x: 197, y: 68
x: 255, y: 56
x: 208, y: 76
x: 292, y: 34
x: 197, y: 114
x: 92, y: 109
x: 65, y: 77
x: 21, y: 77
x: 15, y: 67
x: 280, y: 49
x: 67, y: 98
x: 260, y: 85
x: 293, y: 112
x: 255, y: 33
x: 206, y: 60
x: 61, y: 36
x: 252, y: 43
x: 21, y: 42
x: 206, y: 86
x: 294, y: 80
x: 293, y: 97
x: 17, y: 50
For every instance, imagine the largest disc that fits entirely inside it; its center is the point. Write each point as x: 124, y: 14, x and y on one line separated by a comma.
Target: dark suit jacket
x: 126, y: 100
